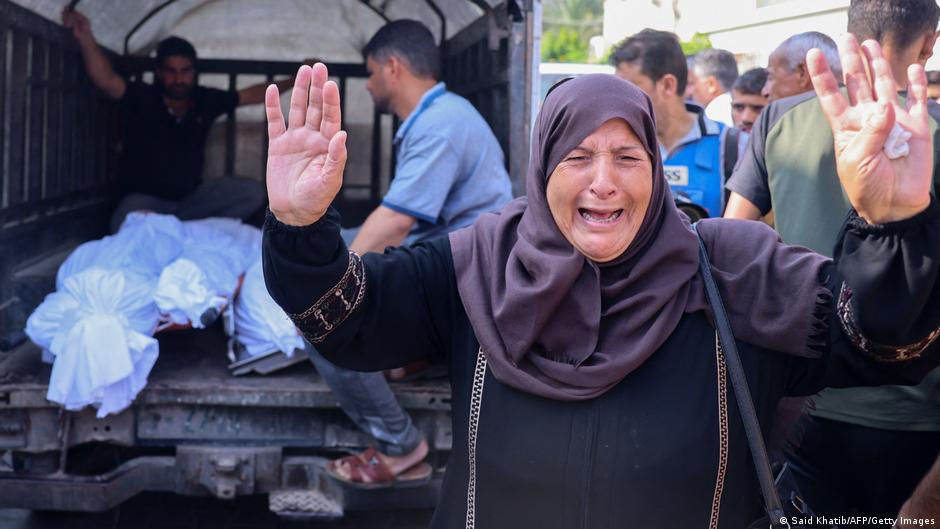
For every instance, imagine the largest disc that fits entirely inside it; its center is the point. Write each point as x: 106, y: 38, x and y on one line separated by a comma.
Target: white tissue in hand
x: 896, y: 145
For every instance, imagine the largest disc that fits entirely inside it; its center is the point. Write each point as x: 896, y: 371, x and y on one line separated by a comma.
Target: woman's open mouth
x: 602, y: 217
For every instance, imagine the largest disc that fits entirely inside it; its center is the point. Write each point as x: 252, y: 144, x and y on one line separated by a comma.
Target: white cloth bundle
x: 225, y: 248
x: 215, y: 254
x: 145, y: 245
x: 184, y: 294
x: 261, y: 326
x: 98, y: 327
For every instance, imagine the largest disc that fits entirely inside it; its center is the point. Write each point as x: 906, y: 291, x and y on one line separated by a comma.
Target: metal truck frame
x: 195, y: 429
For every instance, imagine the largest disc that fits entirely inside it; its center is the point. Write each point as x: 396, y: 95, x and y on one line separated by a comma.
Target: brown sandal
x: 367, y: 470
x: 420, y: 370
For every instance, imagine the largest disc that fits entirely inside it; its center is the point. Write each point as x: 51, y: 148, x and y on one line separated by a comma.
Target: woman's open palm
x: 879, y: 188
x: 306, y: 158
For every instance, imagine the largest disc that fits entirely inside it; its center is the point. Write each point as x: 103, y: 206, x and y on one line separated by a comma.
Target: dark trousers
x: 847, y: 469
x: 230, y: 196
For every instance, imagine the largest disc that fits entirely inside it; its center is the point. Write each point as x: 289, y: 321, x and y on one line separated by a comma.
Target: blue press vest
x: 696, y: 171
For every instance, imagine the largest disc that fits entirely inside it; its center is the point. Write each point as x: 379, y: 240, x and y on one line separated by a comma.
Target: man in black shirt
x: 165, y: 132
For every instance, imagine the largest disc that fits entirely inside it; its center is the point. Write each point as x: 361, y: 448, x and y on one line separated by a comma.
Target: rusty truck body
x: 196, y: 429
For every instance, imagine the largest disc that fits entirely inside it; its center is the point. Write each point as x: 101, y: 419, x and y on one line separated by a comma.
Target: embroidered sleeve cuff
x: 874, y: 350
x: 302, y: 262
x: 332, y: 309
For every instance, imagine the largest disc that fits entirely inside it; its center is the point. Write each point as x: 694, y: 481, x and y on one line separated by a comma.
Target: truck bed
x: 191, y: 397
x: 193, y: 368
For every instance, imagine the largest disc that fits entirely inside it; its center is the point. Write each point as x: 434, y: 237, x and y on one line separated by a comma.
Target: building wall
x: 750, y: 29
x: 753, y: 43
x: 626, y: 17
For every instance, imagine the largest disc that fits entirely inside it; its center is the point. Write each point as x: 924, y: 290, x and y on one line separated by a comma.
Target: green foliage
x: 697, y: 43
x: 568, y: 26
x: 581, y: 12
x: 564, y: 45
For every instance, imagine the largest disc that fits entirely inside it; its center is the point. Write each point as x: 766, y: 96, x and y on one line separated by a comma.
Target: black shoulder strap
x: 731, y: 150
x: 742, y: 393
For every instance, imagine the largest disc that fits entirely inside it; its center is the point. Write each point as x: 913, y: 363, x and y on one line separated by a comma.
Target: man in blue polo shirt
x: 449, y: 166
x: 449, y: 169
x: 698, y: 153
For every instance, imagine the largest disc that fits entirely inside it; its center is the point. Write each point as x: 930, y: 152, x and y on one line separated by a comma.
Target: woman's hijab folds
x: 555, y: 324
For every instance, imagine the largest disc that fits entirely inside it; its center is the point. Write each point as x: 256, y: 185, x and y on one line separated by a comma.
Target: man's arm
x: 97, y: 65
x: 383, y: 228
x: 254, y: 95
x: 741, y: 208
x: 748, y: 184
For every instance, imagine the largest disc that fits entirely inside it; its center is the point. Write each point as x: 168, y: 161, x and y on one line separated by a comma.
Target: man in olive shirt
x: 862, y: 450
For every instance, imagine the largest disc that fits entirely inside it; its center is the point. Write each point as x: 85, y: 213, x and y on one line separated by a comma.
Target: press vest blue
x: 695, y: 170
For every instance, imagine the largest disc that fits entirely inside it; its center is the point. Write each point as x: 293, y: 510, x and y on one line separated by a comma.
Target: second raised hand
x: 880, y: 189
x: 306, y: 157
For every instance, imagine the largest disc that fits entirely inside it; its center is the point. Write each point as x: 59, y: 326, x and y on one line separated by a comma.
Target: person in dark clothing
x: 789, y: 167
x: 588, y: 385
x: 166, y: 126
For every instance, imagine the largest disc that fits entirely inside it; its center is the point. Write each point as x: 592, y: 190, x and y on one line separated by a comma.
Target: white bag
x: 98, y: 328
x: 261, y: 326
x: 145, y: 245
x: 215, y: 254
x: 223, y: 249
x: 184, y: 294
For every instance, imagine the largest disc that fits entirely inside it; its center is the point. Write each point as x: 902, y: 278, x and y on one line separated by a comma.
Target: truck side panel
x: 55, y: 160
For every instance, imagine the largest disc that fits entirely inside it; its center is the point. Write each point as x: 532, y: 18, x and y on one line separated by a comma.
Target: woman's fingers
x: 857, y: 83
x: 335, y: 156
x: 831, y: 99
x: 916, y: 90
x: 886, y: 88
x: 315, y: 103
x: 298, y: 98
x: 272, y: 108
x: 332, y: 118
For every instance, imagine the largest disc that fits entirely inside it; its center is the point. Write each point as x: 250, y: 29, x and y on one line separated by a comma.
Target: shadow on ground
x: 169, y: 511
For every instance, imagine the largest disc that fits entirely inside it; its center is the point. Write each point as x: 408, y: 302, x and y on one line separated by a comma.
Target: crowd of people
x: 852, y: 450
x: 579, y: 307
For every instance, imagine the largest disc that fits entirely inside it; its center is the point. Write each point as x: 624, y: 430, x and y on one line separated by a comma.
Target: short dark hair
x: 411, y: 42
x: 897, y: 21
x: 175, y: 47
x: 718, y: 63
x: 751, y: 82
x: 658, y: 53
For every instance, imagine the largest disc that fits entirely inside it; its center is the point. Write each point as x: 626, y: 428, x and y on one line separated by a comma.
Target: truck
x: 196, y: 429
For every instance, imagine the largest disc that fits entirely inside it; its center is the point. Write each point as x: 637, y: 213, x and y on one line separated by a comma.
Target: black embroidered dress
x: 663, y: 448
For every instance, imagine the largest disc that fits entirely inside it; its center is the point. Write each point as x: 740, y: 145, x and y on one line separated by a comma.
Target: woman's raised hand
x: 880, y: 189
x: 305, y: 159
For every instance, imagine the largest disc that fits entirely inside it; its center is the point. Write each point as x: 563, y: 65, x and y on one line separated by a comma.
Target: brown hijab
x: 555, y: 324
